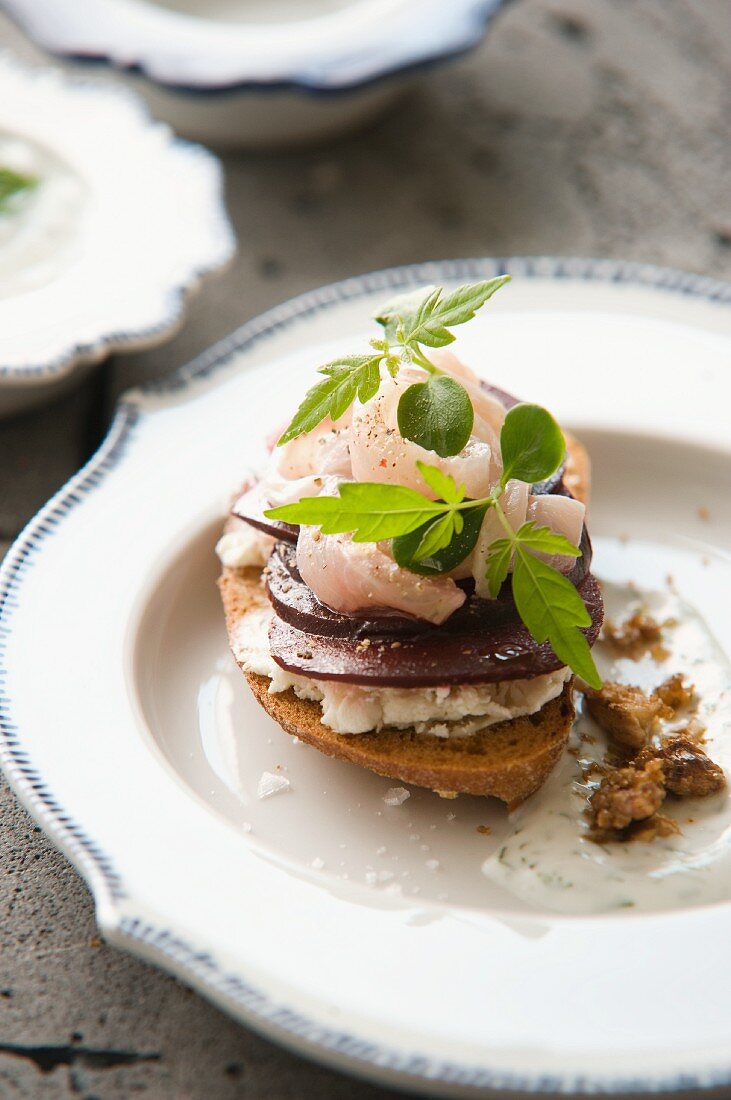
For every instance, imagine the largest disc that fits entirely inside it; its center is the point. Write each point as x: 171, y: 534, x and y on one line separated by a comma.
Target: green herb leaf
x: 400, y: 310
x: 408, y: 550
x: 345, y: 379
x: 553, y: 611
x: 542, y: 540
x: 436, y: 414
x: 539, y: 540
x: 437, y: 535
x: 431, y: 322
x: 443, y: 484
x: 499, y: 556
x: 531, y: 443
x: 13, y: 183
x: 370, y: 510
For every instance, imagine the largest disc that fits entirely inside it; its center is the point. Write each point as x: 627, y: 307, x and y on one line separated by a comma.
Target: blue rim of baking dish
x: 452, y: 29
x: 221, y: 249
x: 163, y: 945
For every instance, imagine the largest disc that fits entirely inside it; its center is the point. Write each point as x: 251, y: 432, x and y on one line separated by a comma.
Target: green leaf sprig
x: 13, y: 184
x: 437, y: 413
x: 433, y: 536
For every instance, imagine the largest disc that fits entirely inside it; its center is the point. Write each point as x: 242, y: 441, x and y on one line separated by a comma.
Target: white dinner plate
x: 365, y: 935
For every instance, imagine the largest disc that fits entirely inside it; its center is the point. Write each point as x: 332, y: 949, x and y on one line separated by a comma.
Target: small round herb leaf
x: 436, y: 414
x: 404, y: 547
x: 531, y: 443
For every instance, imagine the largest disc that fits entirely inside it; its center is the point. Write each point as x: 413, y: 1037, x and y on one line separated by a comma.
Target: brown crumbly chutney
x: 689, y: 772
x: 636, y: 636
x: 627, y: 795
x: 625, y: 804
x: 626, y: 713
x: 676, y: 694
x: 630, y: 795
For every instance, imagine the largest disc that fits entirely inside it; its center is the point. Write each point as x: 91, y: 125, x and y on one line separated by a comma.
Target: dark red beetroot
x: 484, y: 641
x: 492, y: 650
x: 296, y: 604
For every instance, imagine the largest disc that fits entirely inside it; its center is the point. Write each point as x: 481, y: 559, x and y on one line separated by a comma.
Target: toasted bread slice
x: 507, y: 760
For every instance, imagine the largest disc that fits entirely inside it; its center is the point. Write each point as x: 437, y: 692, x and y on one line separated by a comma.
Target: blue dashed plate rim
x: 164, y: 946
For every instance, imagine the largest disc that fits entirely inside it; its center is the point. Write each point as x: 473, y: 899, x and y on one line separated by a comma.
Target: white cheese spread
x: 437, y: 711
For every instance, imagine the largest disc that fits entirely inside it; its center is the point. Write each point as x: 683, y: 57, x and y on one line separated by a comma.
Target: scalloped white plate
x: 260, y: 72
x: 142, y: 753
x: 123, y: 224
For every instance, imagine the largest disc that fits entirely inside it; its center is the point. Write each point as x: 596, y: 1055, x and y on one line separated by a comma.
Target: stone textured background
x: 586, y: 127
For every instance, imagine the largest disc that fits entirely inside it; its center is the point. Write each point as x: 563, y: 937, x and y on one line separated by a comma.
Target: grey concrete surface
x: 591, y: 127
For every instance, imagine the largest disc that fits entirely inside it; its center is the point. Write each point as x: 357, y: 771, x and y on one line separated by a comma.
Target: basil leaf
x: 553, y: 611
x: 406, y: 548
x: 345, y: 379
x: 531, y: 443
x: 436, y: 414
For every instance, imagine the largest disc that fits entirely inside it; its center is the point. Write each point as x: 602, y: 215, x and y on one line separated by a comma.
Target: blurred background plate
x: 119, y: 223
x: 260, y: 73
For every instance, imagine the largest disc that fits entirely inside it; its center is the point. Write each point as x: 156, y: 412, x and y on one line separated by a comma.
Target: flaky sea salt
x: 245, y: 826
x: 432, y: 865
x: 317, y: 864
x: 270, y: 784
x: 395, y: 796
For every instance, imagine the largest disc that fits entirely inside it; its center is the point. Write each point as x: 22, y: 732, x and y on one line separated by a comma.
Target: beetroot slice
x: 296, y: 604
x: 498, y: 650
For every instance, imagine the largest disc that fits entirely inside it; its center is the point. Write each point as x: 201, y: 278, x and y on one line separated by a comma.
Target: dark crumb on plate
x: 626, y: 795
x: 484, y: 829
x: 675, y: 693
x: 695, y: 731
x: 624, y: 807
x: 636, y: 636
x: 626, y: 713
x: 689, y: 772
x: 652, y: 828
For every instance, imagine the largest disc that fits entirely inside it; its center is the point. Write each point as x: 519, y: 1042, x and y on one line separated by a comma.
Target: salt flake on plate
x: 270, y: 784
x: 395, y: 796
